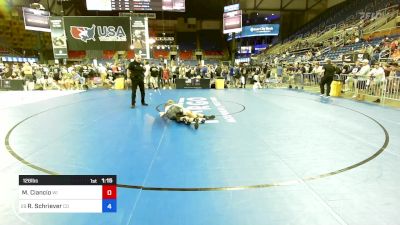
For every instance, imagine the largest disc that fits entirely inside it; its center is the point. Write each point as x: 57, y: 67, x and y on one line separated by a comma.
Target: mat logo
x: 202, y: 105
x: 83, y: 33
x: 104, y: 33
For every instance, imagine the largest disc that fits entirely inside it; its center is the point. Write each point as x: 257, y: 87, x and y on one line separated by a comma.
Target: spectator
x: 166, y: 77
x: 376, y: 80
x: 361, y: 76
x: 27, y: 71
x: 394, y: 46
x: 154, y: 71
x: 351, y: 80
x: 2, y: 71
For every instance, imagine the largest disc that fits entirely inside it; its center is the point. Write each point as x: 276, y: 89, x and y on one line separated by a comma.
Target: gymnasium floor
x: 271, y: 157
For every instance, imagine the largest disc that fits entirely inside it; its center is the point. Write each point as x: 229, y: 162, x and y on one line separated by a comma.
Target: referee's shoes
x: 143, y: 104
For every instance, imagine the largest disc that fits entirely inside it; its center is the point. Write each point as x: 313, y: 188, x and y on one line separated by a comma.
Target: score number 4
x: 109, y: 205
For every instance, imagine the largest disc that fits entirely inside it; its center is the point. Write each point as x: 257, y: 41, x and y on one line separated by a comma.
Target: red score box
x: 109, y: 191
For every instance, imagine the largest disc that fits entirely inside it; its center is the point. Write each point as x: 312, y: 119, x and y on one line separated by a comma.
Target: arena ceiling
x: 201, y: 9
x: 292, y: 13
x: 285, y: 5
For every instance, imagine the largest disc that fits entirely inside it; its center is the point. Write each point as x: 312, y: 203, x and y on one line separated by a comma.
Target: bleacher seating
x: 76, y: 54
x: 328, y: 31
x: 157, y: 54
x: 108, y: 54
x: 14, y: 36
x: 130, y: 54
x: 186, y: 55
x: 348, y: 48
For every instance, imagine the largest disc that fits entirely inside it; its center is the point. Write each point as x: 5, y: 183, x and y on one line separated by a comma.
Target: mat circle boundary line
x: 227, y: 188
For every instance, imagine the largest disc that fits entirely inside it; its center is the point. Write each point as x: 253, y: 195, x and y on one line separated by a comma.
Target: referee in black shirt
x: 327, y: 78
x: 136, y: 73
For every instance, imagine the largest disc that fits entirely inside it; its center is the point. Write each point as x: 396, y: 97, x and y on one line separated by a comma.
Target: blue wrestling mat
x: 270, y: 157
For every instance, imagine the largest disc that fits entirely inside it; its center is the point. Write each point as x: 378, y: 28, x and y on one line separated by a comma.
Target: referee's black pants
x: 328, y: 81
x: 135, y: 83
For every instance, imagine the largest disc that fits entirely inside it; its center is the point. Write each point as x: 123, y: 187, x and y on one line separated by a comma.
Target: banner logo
x: 83, y: 33
x: 105, y: 33
x: 111, y: 33
x: 261, y: 29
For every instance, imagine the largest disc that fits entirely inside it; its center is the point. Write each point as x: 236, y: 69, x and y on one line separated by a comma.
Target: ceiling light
x: 152, y: 41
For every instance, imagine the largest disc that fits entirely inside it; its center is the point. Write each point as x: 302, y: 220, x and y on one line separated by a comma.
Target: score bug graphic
x: 67, y: 193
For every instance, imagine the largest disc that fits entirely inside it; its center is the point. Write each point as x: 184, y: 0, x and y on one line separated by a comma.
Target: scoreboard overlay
x: 67, y: 193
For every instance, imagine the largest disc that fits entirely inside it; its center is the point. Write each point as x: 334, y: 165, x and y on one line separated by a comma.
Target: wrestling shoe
x: 145, y: 104
x: 209, y: 117
x: 196, y: 123
x: 133, y: 106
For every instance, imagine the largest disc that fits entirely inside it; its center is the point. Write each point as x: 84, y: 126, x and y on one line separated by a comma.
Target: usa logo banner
x: 98, y: 33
